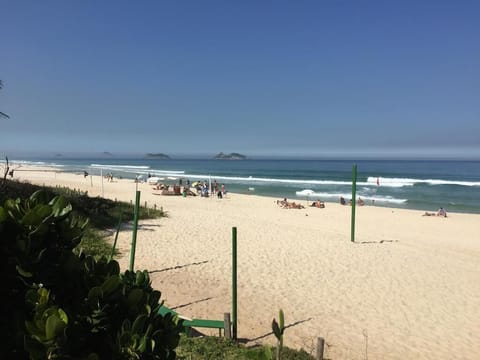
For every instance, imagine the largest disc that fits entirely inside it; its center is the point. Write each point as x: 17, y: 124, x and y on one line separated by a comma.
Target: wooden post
x: 320, y: 346
x: 116, y: 236
x: 145, y: 204
x: 227, y: 326
x: 154, y: 206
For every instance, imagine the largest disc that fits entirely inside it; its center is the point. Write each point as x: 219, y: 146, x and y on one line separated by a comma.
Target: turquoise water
x: 425, y: 185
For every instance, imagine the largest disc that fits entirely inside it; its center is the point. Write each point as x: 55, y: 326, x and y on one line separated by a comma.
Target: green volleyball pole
x: 134, y: 235
x: 354, y: 189
x: 116, y: 235
x: 234, y: 282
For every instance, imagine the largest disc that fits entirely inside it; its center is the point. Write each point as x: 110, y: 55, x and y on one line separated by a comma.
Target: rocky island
x: 231, y: 156
x: 157, y: 156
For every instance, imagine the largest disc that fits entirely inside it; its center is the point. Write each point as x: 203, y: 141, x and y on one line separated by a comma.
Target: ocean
x: 410, y: 184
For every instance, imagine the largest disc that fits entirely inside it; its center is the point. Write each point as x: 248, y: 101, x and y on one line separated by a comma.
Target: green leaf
x: 139, y: 278
x: 44, y: 211
x: 44, y: 294
x: 139, y: 324
x: 39, y: 197
x: 268, y: 353
x: 31, y: 218
x: 134, y: 297
x: 63, y: 316
x: 60, y: 206
x: 23, y: 272
x: 113, y: 267
x: 143, y: 344
x: 282, y: 321
x: 3, y: 214
x: 276, y: 329
x: 111, y: 284
x: 94, y: 294
x: 53, y: 326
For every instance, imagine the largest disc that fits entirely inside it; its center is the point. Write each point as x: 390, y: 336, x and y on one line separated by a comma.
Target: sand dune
x: 408, y: 288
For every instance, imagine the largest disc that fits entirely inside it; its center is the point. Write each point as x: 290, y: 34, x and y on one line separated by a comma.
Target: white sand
x: 410, y: 285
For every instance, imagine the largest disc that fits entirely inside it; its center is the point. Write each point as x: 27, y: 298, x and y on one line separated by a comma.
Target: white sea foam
x: 109, y: 166
x: 400, y: 182
x: 34, y: 163
x: 306, y: 192
x: 251, y: 179
x: 336, y: 196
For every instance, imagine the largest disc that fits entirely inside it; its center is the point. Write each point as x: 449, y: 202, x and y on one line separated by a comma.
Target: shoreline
x: 21, y: 167
x: 409, y: 283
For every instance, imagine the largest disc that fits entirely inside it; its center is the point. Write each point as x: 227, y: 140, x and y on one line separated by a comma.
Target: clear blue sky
x: 257, y: 77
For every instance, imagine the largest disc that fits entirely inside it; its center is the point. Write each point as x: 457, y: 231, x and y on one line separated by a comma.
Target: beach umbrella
x: 154, y: 180
x: 307, y: 193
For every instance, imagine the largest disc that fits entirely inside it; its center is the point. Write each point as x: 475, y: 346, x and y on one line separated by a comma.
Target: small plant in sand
x: 278, y: 330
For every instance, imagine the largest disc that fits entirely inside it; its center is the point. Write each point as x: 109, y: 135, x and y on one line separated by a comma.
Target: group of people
x: 360, y: 201
x: 440, y: 212
x: 204, y: 190
x: 319, y: 204
x: 289, y: 205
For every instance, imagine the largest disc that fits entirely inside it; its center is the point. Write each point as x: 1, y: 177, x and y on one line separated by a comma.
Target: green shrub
x: 58, y: 304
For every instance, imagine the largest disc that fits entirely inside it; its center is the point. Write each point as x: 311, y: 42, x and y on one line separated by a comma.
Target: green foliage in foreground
x: 60, y: 305
x: 203, y: 348
x: 102, y: 213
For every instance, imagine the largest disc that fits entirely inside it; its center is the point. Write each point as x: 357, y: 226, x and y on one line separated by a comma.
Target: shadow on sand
x: 376, y: 242
x: 178, y: 267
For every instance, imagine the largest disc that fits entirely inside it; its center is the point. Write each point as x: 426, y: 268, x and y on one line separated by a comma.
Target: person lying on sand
x: 282, y: 202
x: 441, y: 212
x: 293, y: 205
x: 318, y: 204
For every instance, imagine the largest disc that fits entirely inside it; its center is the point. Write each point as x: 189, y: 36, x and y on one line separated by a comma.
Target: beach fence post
x: 134, y: 234
x: 227, y: 325
x: 116, y: 235
x: 234, y: 283
x: 320, y: 346
x: 354, y: 190
x: 91, y: 181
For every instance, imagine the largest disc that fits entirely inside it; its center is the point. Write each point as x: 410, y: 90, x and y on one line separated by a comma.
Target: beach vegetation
x: 206, y: 347
x: 58, y: 304
x: 47, y: 280
x: 278, y: 329
x: 103, y: 214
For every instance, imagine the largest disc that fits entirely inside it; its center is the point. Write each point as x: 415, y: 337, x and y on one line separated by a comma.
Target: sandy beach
x: 408, y: 288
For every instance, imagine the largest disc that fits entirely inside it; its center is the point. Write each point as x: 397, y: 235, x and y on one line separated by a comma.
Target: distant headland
x: 157, y: 156
x: 231, y: 156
